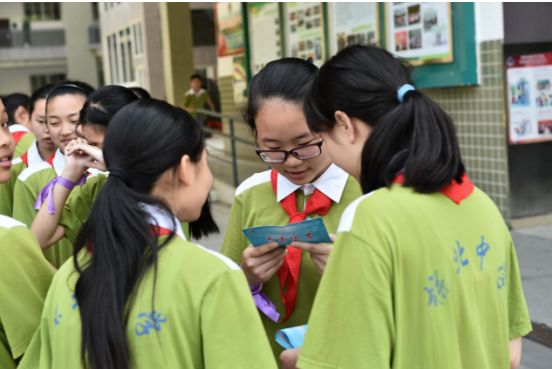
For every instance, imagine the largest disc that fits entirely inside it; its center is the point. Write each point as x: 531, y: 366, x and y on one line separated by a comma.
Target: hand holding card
x: 309, y: 231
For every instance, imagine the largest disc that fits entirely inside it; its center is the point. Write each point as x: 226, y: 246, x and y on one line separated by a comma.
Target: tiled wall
x: 480, y: 119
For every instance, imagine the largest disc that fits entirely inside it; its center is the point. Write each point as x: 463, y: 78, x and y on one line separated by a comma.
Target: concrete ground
x: 534, y: 249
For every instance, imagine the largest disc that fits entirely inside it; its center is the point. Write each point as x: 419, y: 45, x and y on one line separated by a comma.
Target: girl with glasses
x: 302, y: 182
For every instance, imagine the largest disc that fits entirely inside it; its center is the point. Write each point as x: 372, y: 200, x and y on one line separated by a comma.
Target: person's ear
x: 185, y: 172
x: 345, y: 126
x: 22, y: 115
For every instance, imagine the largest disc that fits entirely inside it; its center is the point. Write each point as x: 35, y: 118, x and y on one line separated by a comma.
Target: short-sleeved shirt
x: 256, y: 204
x: 196, y: 100
x: 204, y: 317
x: 418, y: 281
x: 30, y: 158
x: 25, y: 276
x: 28, y: 186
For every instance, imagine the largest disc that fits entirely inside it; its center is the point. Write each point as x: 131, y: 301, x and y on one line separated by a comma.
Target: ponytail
x: 414, y: 137
x: 119, y: 231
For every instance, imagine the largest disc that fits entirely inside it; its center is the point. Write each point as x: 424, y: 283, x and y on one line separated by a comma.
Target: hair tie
x: 403, y: 90
x: 119, y: 173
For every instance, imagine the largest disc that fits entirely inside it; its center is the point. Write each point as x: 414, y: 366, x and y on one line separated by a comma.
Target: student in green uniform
x: 424, y: 273
x: 34, y: 184
x: 25, y: 274
x: 196, y: 97
x: 19, y: 119
x: 138, y: 294
x: 40, y: 150
x: 302, y: 182
x: 76, y: 202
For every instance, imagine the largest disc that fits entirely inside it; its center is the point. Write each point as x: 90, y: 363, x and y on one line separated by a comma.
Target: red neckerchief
x: 456, y: 191
x: 288, y: 273
x: 25, y: 159
x: 18, y: 135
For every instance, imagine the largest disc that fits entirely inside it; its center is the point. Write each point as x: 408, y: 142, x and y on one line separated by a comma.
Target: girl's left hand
x: 319, y: 252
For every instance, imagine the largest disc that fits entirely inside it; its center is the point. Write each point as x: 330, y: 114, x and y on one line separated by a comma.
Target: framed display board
x: 352, y: 24
x: 529, y: 97
x: 420, y: 32
x: 265, y: 40
x: 305, y: 31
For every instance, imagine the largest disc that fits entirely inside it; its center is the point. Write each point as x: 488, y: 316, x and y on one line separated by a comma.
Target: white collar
x: 331, y: 183
x: 59, y: 162
x: 192, y: 92
x: 33, y: 155
x: 18, y: 128
x: 161, y: 219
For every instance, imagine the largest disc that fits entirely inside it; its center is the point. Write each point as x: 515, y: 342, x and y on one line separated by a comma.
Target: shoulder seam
x: 255, y: 180
x: 32, y: 170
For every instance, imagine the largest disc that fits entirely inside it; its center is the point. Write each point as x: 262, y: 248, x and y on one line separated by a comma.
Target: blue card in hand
x: 310, y: 230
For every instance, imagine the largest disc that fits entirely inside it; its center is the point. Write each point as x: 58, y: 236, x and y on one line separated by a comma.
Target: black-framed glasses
x: 280, y: 156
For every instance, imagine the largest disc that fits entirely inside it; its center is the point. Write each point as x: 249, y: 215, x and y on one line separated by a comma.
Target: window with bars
x: 42, y: 11
x: 123, y: 46
x: 39, y: 80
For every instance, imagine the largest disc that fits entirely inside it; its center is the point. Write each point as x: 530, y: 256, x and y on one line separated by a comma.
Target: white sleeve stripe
x: 229, y: 262
x: 32, y: 170
x: 348, y: 216
x: 8, y: 222
x: 254, y: 180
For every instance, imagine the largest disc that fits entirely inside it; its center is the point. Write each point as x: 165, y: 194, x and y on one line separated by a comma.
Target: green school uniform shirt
x: 195, y: 100
x: 24, y: 144
x: 203, y: 318
x: 27, y: 188
x: 25, y: 276
x: 417, y: 281
x: 19, y: 164
x: 255, y: 204
x: 79, y: 204
x: 7, y: 188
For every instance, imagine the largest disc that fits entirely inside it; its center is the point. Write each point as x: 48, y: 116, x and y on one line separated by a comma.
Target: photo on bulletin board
x: 230, y: 37
x: 352, y: 24
x: 529, y: 91
x: 304, y: 28
x: 419, y: 32
x: 264, y: 34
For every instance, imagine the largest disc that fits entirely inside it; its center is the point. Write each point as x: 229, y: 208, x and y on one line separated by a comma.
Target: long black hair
x: 118, y: 231
x: 102, y: 104
x: 415, y: 137
x: 287, y: 79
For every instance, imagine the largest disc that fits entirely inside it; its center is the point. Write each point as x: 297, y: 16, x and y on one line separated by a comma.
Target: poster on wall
x: 529, y: 91
x: 239, y: 79
x: 352, y: 24
x: 230, y: 38
x: 419, y: 32
x: 264, y: 34
x: 304, y: 25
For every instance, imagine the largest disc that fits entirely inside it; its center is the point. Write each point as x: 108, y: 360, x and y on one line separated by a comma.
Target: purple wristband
x: 68, y: 184
x: 48, y: 191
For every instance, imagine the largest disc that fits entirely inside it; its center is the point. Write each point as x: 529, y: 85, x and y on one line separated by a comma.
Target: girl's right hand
x: 92, y: 155
x: 261, y: 263
x: 75, y: 164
